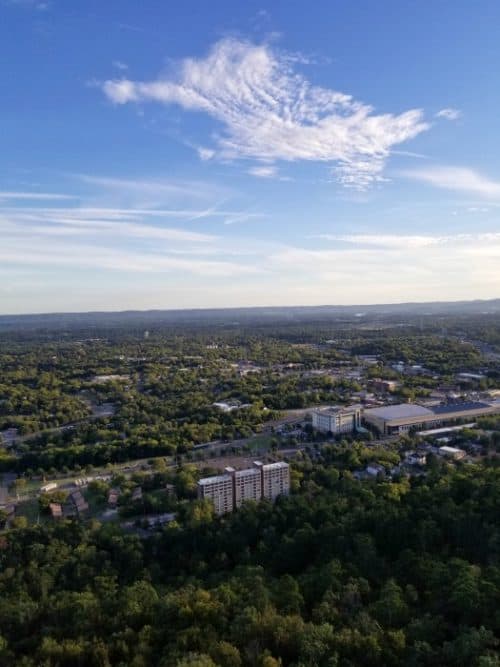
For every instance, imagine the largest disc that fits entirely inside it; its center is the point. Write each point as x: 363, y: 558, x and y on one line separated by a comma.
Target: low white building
x: 47, y: 488
x: 452, y: 452
x: 417, y: 458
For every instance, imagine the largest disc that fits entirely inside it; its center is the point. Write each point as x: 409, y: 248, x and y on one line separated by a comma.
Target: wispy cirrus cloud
x: 449, y: 114
x: 118, y: 64
x: 461, y: 179
x: 15, y: 195
x: 409, y: 241
x: 39, y: 5
x: 269, y: 111
x: 264, y: 171
x: 44, y: 230
x: 157, y: 188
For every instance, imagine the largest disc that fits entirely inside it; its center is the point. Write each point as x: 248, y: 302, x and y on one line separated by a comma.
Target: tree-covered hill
x: 340, y: 573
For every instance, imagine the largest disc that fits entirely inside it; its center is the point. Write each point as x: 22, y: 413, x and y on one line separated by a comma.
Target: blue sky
x: 206, y: 154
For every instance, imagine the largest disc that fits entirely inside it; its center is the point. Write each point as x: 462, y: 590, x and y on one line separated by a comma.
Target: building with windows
x: 247, y: 485
x: 337, y: 419
x: 275, y: 479
x: 218, y: 489
x: 231, y: 490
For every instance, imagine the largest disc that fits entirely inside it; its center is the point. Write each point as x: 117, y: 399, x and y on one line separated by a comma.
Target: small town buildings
x: 137, y: 493
x: 113, y: 496
x: 79, y: 502
x: 337, y: 419
x: 47, y: 488
x: 229, y: 406
x: 418, y: 458
x: 386, y: 386
x: 170, y: 490
x: 55, y: 510
x: 451, y: 452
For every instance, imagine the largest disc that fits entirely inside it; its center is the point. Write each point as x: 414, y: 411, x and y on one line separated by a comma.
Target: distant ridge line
x: 192, y: 314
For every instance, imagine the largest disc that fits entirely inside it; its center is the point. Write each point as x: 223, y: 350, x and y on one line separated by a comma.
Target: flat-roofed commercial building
x: 218, y: 489
x: 394, y: 419
x: 337, y: 419
x: 275, y: 479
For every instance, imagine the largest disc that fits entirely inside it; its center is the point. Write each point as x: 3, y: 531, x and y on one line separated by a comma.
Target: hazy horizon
x: 369, y: 306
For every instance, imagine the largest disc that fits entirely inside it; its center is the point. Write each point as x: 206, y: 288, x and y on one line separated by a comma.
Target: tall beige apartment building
x: 275, y: 479
x: 231, y: 490
x: 247, y: 486
x: 218, y: 489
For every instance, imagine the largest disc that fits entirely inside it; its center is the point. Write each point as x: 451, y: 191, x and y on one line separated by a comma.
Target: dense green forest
x: 340, y: 573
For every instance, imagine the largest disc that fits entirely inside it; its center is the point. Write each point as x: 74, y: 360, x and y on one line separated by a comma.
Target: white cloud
x: 29, y: 4
x: 132, y: 240
x: 449, y: 114
x: 394, y: 268
x: 118, y: 64
x: 63, y: 254
x: 383, y: 240
x: 155, y: 192
x: 270, y: 111
x: 205, y: 153
x: 33, y: 195
x: 407, y: 241
x: 456, y: 178
x: 263, y: 172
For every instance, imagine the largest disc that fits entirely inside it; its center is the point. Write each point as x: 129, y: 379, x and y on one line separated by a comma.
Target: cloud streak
x: 461, y: 179
x: 50, y: 196
x: 270, y: 112
x: 449, y: 114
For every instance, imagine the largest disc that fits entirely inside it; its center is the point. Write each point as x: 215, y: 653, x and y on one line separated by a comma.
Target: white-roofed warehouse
x: 393, y: 419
